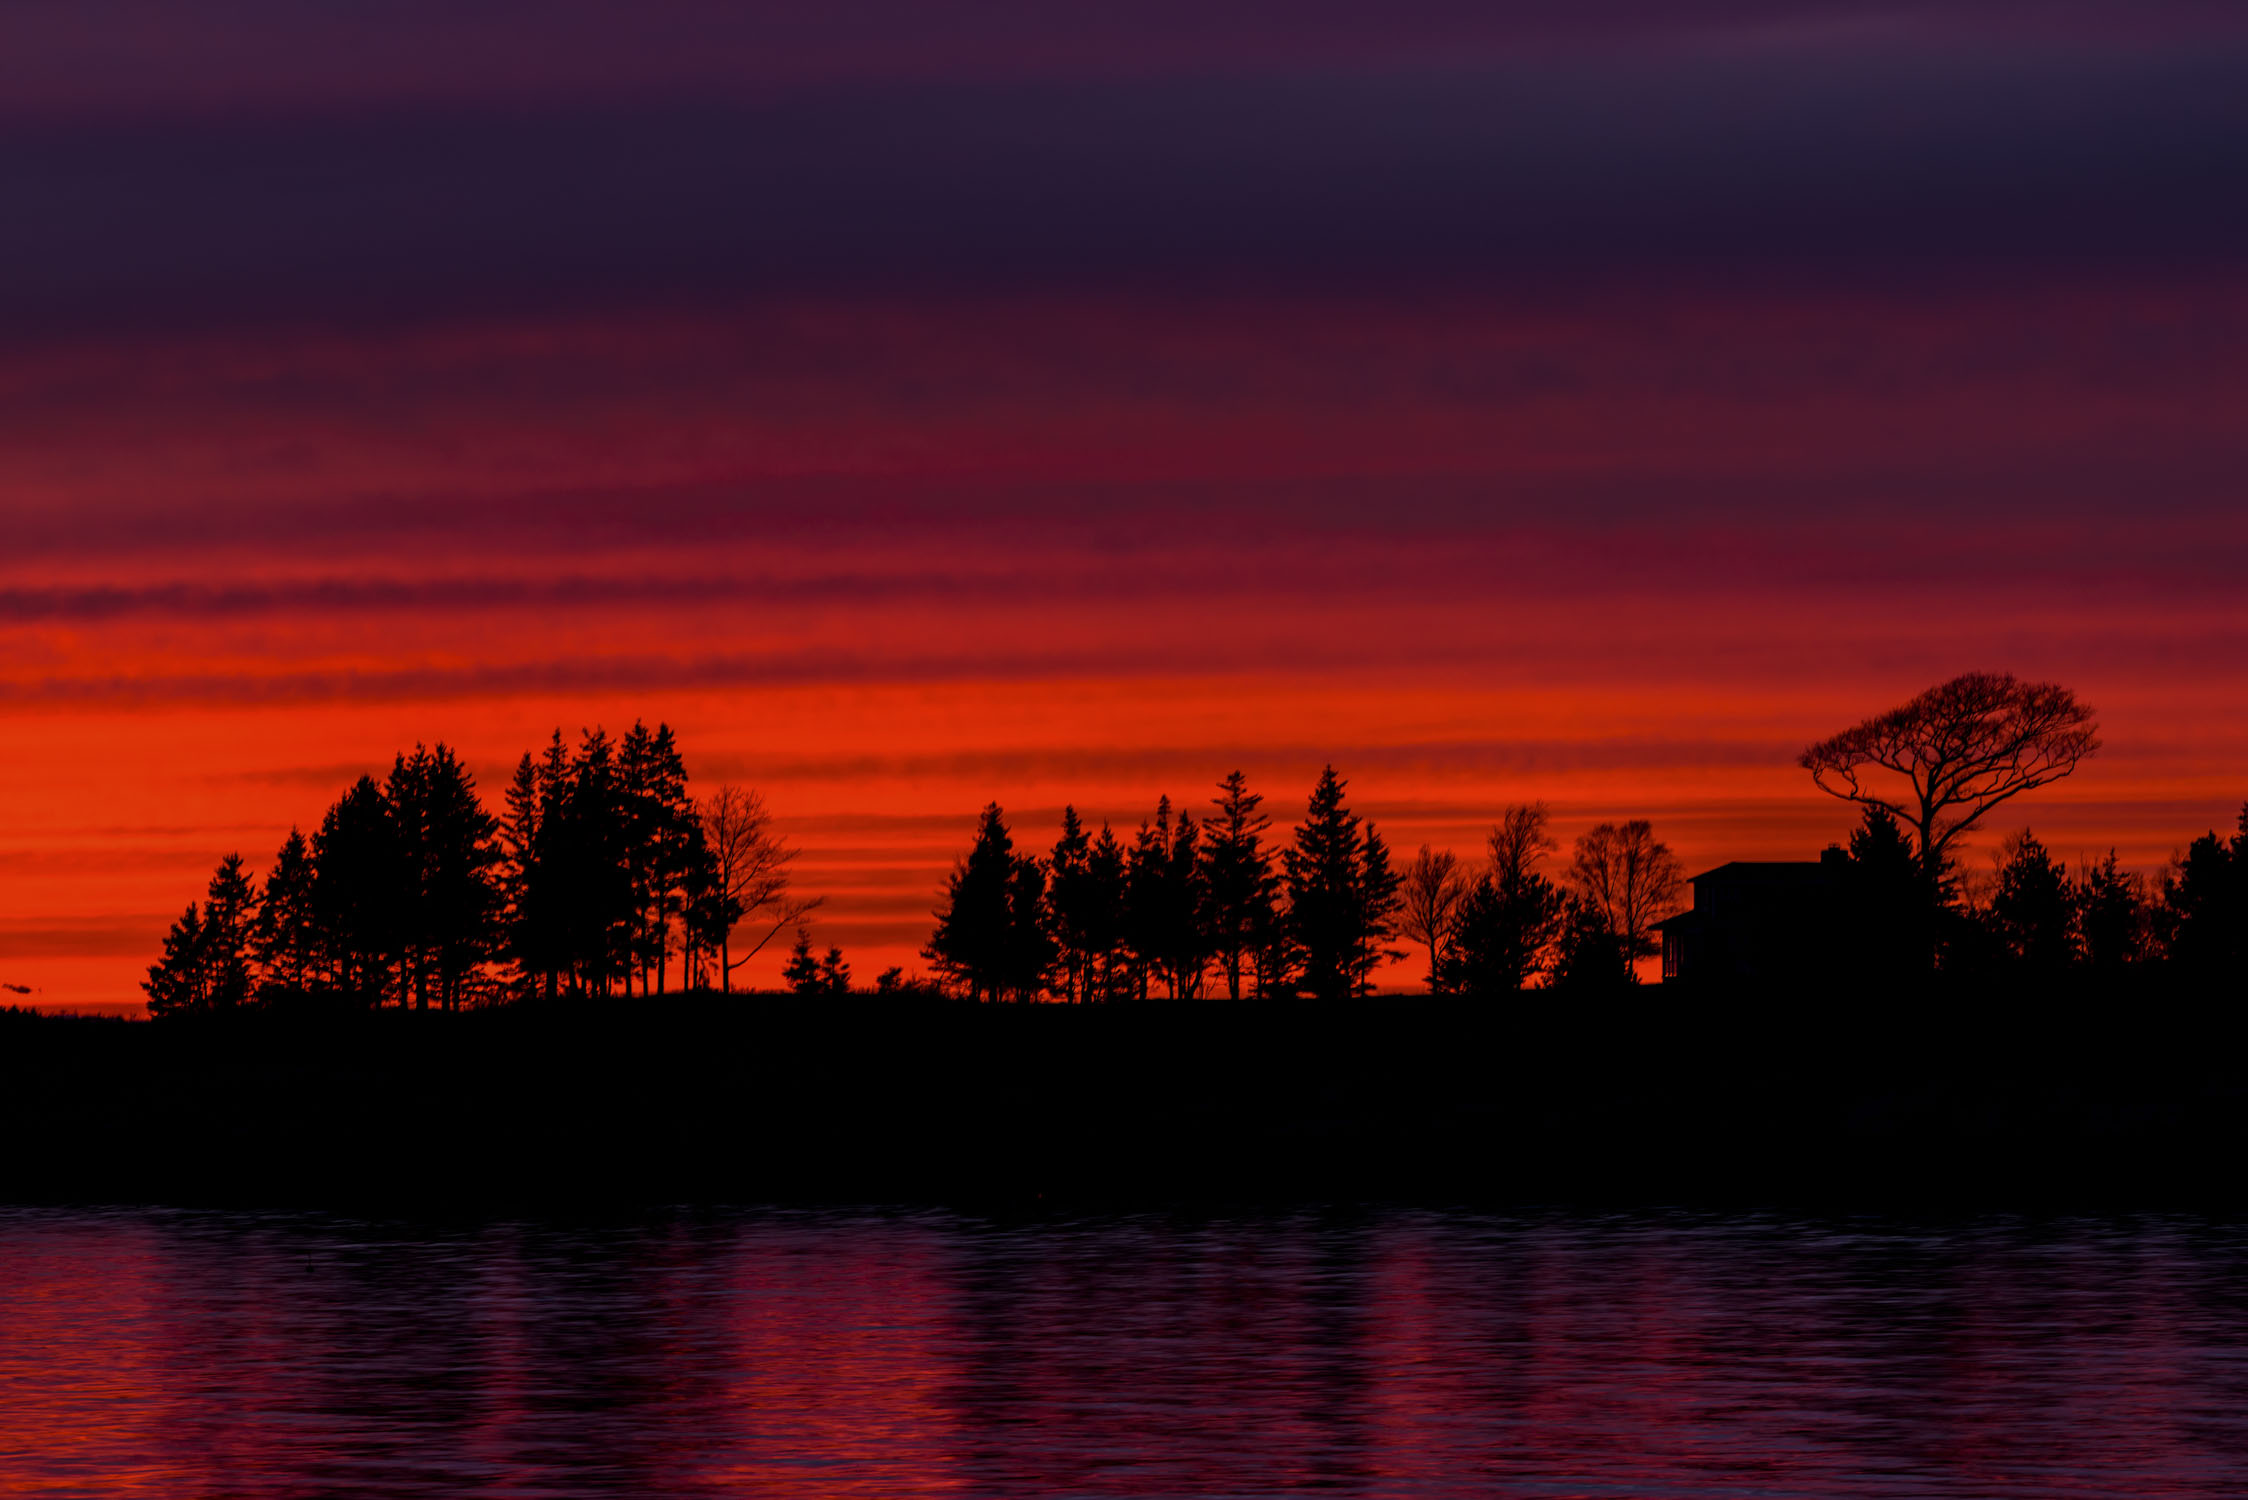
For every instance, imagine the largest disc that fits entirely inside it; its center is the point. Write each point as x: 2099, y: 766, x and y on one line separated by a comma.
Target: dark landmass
x: 1939, y: 1100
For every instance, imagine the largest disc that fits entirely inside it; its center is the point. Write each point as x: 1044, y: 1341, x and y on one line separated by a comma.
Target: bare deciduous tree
x: 1518, y: 841
x: 1630, y: 877
x: 1434, y: 883
x: 752, y: 864
x: 1962, y: 748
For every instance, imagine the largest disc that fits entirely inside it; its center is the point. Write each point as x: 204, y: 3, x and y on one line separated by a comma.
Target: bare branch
x: 1432, y: 888
x: 1963, y: 747
x: 1518, y: 841
x: 752, y: 862
x: 1631, y: 877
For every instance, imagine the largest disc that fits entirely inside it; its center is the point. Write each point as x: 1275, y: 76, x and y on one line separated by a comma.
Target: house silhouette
x: 1755, y: 921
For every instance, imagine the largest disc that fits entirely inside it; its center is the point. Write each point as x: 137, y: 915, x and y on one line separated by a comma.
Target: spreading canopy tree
x: 1961, y: 748
x: 1630, y: 878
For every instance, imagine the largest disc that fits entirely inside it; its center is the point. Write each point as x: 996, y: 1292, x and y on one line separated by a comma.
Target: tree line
x: 1931, y: 770
x: 2035, y: 919
x: 1188, y: 909
x: 600, y: 873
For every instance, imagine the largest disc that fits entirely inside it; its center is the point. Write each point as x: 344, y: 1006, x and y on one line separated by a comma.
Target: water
x: 909, y: 1354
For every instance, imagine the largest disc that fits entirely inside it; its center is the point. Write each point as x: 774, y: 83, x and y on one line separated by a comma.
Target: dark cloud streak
x: 156, y: 59
x: 1824, y: 167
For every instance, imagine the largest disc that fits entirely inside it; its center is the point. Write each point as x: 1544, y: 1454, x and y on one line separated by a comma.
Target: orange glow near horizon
x: 887, y: 563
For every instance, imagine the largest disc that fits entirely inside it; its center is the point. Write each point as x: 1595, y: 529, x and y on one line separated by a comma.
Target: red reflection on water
x: 917, y: 1355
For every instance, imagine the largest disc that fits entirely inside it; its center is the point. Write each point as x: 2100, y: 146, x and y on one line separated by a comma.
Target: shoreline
x: 1660, y: 1097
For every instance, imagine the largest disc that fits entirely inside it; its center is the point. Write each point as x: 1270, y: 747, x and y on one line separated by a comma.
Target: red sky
x: 1562, y: 452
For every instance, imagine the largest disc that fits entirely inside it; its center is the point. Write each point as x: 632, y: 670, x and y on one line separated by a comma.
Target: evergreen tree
x: 802, y: 971
x: 835, y: 975
x: 449, y: 896
x: 1510, y: 917
x: 1342, y: 896
x: 533, y: 942
x: 989, y: 937
x: 179, y: 982
x: 285, y: 939
x: 655, y: 814
x: 206, y: 962
x: 460, y: 875
x: 1103, y: 914
x: 2111, y: 916
x: 1890, y: 899
x: 1165, y: 905
x: 678, y: 842
x: 1239, y: 879
x: 706, y: 911
x: 1070, y: 897
x: 2205, y: 908
x: 1589, y: 957
x: 358, y: 874
x: 593, y: 869
x: 406, y: 793
x: 1144, y: 870
x: 230, y: 913
x: 2031, y: 910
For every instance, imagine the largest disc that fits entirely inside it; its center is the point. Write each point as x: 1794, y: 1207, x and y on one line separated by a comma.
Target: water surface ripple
x: 901, y: 1354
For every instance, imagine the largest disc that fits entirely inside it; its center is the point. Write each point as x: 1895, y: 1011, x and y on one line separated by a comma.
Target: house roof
x: 1762, y: 869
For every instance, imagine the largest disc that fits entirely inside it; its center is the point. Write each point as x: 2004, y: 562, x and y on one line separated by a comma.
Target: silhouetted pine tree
x: 459, y: 875
x: 285, y: 939
x: 1891, y: 906
x: 1070, y: 899
x: 531, y: 944
x: 706, y: 912
x: 2111, y: 917
x: 802, y: 971
x: 989, y: 937
x: 2205, y: 909
x: 809, y: 976
x: 449, y: 898
x: 358, y: 878
x: 1510, y: 917
x: 1144, y: 864
x: 1588, y: 955
x: 230, y: 911
x: 656, y: 816
x: 179, y: 982
x: 592, y: 868
x: 1165, y: 906
x: 1107, y: 968
x: 206, y: 962
x: 406, y: 793
x: 1185, y: 960
x: 1342, y: 896
x: 2031, y: 910
x: 1238, y: 876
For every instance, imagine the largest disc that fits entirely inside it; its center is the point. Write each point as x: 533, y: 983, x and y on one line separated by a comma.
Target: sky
x: 920, y: 406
